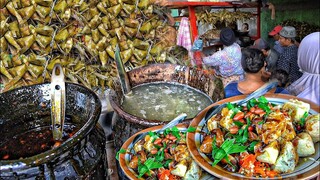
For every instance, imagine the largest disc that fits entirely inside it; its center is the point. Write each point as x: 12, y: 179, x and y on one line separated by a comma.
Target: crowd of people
x: 295, y: 66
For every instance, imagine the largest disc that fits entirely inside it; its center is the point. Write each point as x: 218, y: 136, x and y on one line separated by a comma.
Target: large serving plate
x: 124, y: 159
x: 307, y: 167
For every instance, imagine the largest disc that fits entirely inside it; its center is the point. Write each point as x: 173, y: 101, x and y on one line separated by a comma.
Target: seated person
x: 253, y: 63
x: 270, y: 54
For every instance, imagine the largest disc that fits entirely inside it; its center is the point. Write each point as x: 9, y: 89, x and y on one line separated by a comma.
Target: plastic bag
x: 197, y: 45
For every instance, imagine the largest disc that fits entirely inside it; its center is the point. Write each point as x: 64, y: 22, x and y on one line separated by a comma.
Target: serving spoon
x: 255, y: 94
x: 171, y: 124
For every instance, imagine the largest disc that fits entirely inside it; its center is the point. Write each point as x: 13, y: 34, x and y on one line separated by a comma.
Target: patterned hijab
x: 308, y: 85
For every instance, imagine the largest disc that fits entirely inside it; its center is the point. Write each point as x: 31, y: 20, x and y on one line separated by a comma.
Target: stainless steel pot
x: 125, y: 124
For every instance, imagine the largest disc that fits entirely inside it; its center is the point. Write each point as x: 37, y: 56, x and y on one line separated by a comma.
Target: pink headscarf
x: 307, y: 86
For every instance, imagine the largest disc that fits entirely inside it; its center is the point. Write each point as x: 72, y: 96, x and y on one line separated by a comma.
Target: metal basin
x: 125, y: 124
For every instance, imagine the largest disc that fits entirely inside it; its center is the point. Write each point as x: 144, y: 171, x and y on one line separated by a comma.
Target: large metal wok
x: 80, y: 156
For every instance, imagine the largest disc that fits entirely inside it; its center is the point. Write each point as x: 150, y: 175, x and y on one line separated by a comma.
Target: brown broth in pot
x: 33, y: 142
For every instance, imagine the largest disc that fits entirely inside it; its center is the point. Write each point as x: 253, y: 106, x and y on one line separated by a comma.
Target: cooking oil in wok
x: 164, y: 101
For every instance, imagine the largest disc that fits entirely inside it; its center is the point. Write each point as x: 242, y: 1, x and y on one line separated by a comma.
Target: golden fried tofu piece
x: 303, y: 143
x: 296, y: 109
x: 269, y: 153
x: 312, y: 127
x: 287, y: 159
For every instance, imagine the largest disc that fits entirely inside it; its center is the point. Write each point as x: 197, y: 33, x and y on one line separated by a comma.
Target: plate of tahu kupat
x: 274, y: 137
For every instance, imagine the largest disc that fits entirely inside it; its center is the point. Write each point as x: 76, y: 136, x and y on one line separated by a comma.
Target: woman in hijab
x: 307, y: 86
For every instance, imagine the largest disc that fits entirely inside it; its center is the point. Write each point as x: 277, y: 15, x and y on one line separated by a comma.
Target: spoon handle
x: 261, y: 91
x: 257, y: 93
x: 58, y: 101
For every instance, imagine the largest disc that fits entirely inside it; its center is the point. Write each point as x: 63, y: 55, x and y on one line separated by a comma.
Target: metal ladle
x: 58, y: 102
x: 124, y: 80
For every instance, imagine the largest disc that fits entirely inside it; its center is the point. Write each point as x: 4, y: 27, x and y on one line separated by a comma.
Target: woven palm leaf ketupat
x: 81, y: 35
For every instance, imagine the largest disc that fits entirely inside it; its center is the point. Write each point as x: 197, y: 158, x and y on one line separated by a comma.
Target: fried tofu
x: 296, y: 109
x: 269, y: 153
x: 287, y: 159
x: 312, y: 127
x: 303, y: 143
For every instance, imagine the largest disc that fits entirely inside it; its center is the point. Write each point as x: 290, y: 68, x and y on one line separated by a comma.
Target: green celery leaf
x: 227, y: 144
x: 167, y: 131
x: 303, y: 119
x: 251, y: 103
x: 174, y: 128
x: 228, y: 160
x: 238, y: 123
x: 230, y: 105
x: 166, y: 164
x: 215, y: 148
x: 263, y: 99
x: 176, y: 132
x: 243, y: 135
x: 248, y: 121
x: 264, y: 106
x: 164, y: 144
x: 121, y: 151
x: 151, y: 134
x: 251, y: 146
x: 160, y: 156
x: 240, y: 132
x: 219, y: 156
x: 142, y: 168
x: 236, y: 110
x: 237, y: 148
x: 150, y: 163
x: 191, y: 129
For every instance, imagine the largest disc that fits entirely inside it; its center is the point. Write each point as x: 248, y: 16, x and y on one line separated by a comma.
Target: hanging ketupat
x: 81, y: 35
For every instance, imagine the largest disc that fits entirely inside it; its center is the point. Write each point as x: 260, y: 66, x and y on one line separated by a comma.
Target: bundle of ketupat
x: 81, y: 35
x: 224, y: 17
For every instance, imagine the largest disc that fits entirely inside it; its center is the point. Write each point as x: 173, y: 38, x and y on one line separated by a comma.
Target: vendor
x: 227, y: 62
x: 245, y: 27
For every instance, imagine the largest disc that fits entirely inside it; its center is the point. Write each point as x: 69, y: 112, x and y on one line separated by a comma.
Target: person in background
x: 275, y: 34
x: 288, y: 59
x: 308, y: 85
x: 227, y: 62
x: 271, y: 57
x: 245, y: 27
x: 253, y: 63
